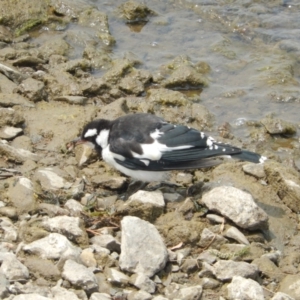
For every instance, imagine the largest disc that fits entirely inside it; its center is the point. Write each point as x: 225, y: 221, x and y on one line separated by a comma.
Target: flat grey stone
x: 9, y: 132
x: 156, y: 198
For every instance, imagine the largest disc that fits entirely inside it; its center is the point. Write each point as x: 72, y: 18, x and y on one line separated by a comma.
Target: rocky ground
x: 73, y: 228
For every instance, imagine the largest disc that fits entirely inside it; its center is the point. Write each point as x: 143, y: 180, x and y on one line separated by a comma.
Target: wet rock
x: 50, y: 179
x: 33, y: 89
x: 94, y: 18
x: 56, y: 45
x: 134, y: 11
x: 80, y: 100
x: 167, y: 97
x: 177, y: 291
x: 142, y: 248
x: 10, y: 233
x: 10, y: 117
x: 98, y: 57
x: 72, y: 227
x: 131, y: 85
x: 17, y: 155
x: 241, y: 288
x: 53, y: 246
x: 143, y: 282
x: 225, y: 270
x: 256, y: 170
x: 9, y: 132
x: 13, y: 269
x: 21, y: 194
x: 208, y: 238
x: 236, y: 205
x: 119, y: 68
x: 80, y: 276
x: 7, y: 100
x: 116, y: 277
x: 107, y: 241
x: 60, y: 82
x: 278, y: 126
x: 286, y: 183
x: 11, y: 73
x: 185, y: 76
x: 236, y: 235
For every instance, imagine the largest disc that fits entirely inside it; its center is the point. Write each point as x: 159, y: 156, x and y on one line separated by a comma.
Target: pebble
x: 9, y: 132
x: 13, y: 269
x: 80, y: 276
x: 225, y: 270
x: 177, y: 291
x: 74, y: 207
x: 143, y: 282
x: 155, y: 198
x: 72, y: 227
x: 236, y: 235
x: 21, y: 195
x: 256, y: 170
x: 242, y: 288
x: 53, y: 246
x: 100, y: 296
x: 114, y: 276
x: 49, y: 179
x: 107, y: 241
x: 17, y: 155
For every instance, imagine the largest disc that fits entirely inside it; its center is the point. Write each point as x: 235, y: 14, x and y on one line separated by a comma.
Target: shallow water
x: 251, y: 46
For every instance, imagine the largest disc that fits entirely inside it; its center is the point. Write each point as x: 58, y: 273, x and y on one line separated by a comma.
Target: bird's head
x: 94, y: 134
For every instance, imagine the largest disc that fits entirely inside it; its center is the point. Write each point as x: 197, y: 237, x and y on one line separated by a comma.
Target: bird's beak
x: 78, y: 141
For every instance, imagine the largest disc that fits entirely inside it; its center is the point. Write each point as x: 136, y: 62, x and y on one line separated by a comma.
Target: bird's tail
x: 249, y: 156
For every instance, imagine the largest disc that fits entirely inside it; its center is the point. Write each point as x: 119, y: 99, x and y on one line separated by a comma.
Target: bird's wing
x: 163, y: 146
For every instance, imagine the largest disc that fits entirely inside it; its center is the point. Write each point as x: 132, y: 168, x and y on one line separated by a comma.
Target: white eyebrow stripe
x: 90, y: 132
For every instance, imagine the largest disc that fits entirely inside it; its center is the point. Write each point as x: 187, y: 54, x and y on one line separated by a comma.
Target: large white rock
x: 236, y: 205
x: 142, y: 248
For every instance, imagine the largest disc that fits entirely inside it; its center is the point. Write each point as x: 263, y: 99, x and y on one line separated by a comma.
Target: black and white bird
x: 144, y: 146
